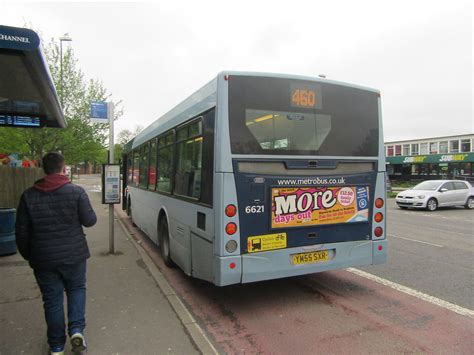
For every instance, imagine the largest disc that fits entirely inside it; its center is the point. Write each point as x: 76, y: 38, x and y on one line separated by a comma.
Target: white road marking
x: 418, y: 241
x: 420, y: 295
x: 96, y: 188
x: 431, y: 214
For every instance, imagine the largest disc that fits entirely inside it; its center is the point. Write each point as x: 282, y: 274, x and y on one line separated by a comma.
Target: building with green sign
x: 431, y: 158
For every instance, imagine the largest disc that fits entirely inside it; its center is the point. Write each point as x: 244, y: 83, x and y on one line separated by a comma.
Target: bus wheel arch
x: 130, y: 211
x: 164, y: 239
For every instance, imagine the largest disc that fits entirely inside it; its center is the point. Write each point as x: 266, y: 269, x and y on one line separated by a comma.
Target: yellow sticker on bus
x: 266, y: 242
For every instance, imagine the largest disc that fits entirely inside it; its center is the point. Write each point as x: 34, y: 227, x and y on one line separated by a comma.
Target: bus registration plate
x: 310, y: 257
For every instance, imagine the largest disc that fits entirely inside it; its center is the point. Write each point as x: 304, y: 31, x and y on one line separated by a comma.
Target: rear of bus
x: 301, y: 178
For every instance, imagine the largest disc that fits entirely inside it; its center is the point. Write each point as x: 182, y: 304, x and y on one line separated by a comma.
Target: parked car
x: 432, y: 194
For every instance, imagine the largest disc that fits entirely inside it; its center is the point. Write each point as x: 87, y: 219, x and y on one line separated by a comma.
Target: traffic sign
x: 99, y: 112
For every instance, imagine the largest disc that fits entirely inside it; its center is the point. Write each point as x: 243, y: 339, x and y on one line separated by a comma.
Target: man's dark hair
x: 53, y: 163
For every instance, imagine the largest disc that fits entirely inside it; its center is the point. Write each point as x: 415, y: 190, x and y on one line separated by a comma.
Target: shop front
x: 431, y: 167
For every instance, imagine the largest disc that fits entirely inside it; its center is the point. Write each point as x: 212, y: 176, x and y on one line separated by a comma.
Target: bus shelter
x: 28, y: 97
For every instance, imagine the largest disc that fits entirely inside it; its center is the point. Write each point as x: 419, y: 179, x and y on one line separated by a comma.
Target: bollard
x: 7, y: 231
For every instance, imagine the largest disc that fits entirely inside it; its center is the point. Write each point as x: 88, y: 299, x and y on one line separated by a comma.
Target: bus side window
x: 165, y: 163
x: 207, y: 173
x: 189, y: 160
x: 136, y: 167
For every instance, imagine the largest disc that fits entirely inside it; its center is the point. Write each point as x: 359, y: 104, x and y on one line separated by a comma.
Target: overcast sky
x: 154, y: 55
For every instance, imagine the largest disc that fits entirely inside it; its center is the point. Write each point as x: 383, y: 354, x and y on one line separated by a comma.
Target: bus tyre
x: 469, y: 203
x: 432, y: 205
x: 164, y: 241
x: 130, y: 211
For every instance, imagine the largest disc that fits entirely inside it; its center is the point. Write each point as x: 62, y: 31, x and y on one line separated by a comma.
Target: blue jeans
x: 52, y: 283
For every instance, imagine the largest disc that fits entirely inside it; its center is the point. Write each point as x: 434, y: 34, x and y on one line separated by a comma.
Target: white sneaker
x: 78, y: 343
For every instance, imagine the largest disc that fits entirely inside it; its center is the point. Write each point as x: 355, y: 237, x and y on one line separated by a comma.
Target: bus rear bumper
x: 278, y: 264
x: 379, y: 252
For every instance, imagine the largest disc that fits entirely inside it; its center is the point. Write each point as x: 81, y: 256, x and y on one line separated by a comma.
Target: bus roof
x: 200, y: 101
x: 299, y: 77
x: 206, y: 97
x: 28, y: 97
x: 128, y: 146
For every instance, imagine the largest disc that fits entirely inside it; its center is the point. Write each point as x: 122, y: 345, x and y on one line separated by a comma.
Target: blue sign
x: 362, y: 198
x: 99, y: 111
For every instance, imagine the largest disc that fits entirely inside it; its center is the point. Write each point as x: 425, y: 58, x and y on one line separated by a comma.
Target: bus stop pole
x: 110, y: 112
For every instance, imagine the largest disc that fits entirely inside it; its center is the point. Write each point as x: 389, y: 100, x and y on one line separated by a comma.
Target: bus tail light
x: 378, y: 217
x: 230, y: 210
x: 231, y: 246
x: 379, y: 203
x: 378, y: 231
x: 231, y: 228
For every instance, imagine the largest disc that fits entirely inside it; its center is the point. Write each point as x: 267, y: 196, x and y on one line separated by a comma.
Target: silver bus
x: 259, y: 176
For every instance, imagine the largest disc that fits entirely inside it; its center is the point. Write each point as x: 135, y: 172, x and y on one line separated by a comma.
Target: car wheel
x: 432, y: 205
x: 469, y: 203
x: 164, y: 241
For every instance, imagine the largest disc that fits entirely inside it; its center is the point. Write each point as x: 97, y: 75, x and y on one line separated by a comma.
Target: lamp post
x: 64, y: 38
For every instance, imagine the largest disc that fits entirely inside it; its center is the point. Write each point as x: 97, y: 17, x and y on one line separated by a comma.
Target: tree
x: 126, y: 135
x: 123, y: 138
x: 82, y: 140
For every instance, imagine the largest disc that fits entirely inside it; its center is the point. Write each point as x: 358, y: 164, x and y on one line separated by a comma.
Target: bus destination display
x: 305, y: 96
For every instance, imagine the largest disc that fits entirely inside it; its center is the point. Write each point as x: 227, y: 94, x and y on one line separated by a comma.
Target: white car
x: 432, y: 194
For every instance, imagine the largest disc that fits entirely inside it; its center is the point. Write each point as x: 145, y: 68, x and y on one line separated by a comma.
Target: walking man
x: 49, y: 235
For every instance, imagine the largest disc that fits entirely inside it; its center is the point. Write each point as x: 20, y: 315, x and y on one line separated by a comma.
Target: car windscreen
x: 427, y: 185
x: 298, y: 117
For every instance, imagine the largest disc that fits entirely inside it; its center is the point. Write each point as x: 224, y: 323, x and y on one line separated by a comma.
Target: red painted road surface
x: 331, y: 312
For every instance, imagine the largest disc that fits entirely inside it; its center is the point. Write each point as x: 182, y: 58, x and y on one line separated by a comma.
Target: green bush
x: 405, y: 184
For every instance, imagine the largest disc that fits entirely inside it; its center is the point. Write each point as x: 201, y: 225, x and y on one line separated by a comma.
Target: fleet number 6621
x: 254, y: 209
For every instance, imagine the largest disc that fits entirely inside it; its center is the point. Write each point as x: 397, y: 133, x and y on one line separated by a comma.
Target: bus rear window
x: 276, y: 130
x: 295, y: 117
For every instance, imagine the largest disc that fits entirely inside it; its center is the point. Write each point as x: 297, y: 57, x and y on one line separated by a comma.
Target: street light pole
x: 64, y: 38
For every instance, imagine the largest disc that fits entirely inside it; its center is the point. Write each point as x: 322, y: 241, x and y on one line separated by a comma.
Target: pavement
x: 127, y: 311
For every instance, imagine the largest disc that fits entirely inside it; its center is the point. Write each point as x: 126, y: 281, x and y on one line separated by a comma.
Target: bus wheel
x: 130, y: 213
x: 164, y: 241
x: 128, y: 207
x: 431, y: 205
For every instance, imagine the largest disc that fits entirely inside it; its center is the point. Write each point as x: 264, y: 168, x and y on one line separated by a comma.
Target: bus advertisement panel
x: 299, y: 207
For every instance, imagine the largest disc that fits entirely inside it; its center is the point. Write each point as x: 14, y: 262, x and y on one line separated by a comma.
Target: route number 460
x: 304, y: 98
x: 254, y: 209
